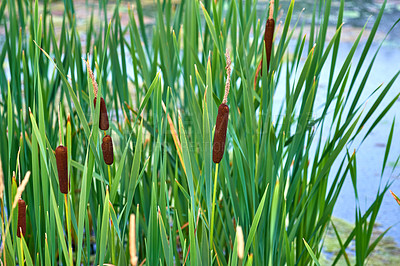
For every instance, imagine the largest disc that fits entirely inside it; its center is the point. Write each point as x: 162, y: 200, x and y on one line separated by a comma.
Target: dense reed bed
x: 267, y: 200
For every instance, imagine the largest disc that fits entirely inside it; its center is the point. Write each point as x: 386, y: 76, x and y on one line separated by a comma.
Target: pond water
x: 370, y: 154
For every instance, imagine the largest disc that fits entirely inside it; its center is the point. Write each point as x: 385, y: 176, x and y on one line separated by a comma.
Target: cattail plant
x: 220, y: 136
x: 222, y: 118
x: 107, y: 147
x: 62, y: 168
x: 21, y: 228
x: 103, y: 123
x: 269, y: 34
x: 21, y: 223
x: 268, y: 37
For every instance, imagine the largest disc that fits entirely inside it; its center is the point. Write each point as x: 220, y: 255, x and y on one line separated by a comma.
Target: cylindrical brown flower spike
x: 220, y: 132
x: 62, y: 168
x: 268, y: 37
x: 103, y: 123
x: 21, y: 227
x: 107, y: 147
x: 222, y: 117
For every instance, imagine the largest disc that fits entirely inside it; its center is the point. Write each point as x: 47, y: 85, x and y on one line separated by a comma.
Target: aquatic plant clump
x: 227, y: 146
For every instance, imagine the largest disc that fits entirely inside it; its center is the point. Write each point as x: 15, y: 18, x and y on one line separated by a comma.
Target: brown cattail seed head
x: 220, y: 132
x: 21, y: 228
x: 107, y: 147
x: 103, y: 124
x: 62, y: 167
x: 268, y: 37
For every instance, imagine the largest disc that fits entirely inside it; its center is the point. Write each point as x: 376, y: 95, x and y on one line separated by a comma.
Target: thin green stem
x: 22, y: 249
x: 112, y: 227
x: 2, y: 230
x: 213, y: 207
x: 109, y: 176
x: 112, y: 245
x: 67, y: 216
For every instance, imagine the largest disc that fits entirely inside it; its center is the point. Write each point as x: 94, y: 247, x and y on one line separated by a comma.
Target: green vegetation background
x: 162, y: 93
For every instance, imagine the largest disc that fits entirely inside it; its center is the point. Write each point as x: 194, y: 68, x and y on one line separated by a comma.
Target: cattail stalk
x: 2, y: 207
x: 222, y: 118
x: 268, y: 38
x: 132, y: 240
x: 20, y: 189
x: 1, y: 181
x: 213, y: 207
x: 103, y: 123
x: 107, y: 147
x: 62, y: 168
x: 68, y: 220
x: 21, y: 228
x: 219, y: 139
x: 269, y: 33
